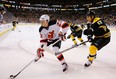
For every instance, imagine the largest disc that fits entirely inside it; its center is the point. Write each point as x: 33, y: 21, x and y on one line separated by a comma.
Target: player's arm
x: 102, y: 26
x: 89, y: 32
x: 77, y: 28
x: 40, y: 50
x: 43, y: 40
x: 64, y: 28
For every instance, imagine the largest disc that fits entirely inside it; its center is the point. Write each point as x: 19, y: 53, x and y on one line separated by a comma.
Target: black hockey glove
x: 90, y: 38
x: 88, y: 32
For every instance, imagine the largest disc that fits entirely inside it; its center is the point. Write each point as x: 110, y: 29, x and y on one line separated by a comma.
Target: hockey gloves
x: 40, y: 52
x: 90, y: 38
x: 89, y: 34
x: 62, y: 36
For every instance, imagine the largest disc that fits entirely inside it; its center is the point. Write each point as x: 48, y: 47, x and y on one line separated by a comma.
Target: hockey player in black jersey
x: 51, y: 31
x: 97, y: 33
x: 76, y: 31
x: 14, y: 24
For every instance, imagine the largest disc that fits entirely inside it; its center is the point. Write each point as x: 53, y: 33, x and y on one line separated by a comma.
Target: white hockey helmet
x: 44, y: 17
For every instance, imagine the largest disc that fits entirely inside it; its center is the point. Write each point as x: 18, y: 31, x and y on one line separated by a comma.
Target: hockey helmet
x: 90, y: 13
x: 44, y: 17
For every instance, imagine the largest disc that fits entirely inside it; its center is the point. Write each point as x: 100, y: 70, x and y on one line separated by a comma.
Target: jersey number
x: 103, y: 27
x: 99, y: 22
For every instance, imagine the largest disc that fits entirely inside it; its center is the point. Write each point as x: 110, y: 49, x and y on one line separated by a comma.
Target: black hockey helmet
x: 90, y: 13
x: 2, y: 8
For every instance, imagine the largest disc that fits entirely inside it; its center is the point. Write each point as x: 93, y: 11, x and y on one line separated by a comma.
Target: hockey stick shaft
x: 18, y: 29
x: 53, y: 53
x: 48, y: 48
x: 37, y: 58
x: 54, y: 43
x: 70, y: 48
x: 24, y: 68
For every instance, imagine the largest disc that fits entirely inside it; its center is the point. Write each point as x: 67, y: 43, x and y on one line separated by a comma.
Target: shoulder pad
x: 96, y: 19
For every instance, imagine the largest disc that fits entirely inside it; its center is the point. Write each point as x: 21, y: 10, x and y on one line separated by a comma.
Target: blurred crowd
x: 80, y: 17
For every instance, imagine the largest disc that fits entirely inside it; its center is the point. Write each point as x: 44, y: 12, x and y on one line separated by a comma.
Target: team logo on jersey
x: 51, y: 35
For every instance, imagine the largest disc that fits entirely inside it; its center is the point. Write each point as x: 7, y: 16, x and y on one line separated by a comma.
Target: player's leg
x: 93, y: 51
x: 13, y: 27
x: 79, y: 36
x: 96, y: 45
x: 73, y: 39
x: 60, y: 57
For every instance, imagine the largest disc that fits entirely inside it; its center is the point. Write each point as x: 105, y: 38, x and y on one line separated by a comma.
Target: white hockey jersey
x: 52, y: 31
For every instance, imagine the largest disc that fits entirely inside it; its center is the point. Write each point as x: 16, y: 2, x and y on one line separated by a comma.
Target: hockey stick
x: 52, y: 52
x: 18, y: 29
x: 34, y: 60
x: 70, y: 48
x: 14, y: 76
x: 47, y: 48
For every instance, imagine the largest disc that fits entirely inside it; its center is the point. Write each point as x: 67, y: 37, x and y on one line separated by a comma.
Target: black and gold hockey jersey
x: 14, y: 23
x: 75, y: 28
x: 99, y: 28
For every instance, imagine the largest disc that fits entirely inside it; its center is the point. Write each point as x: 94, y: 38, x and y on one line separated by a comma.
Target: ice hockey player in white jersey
x: 51, y: 31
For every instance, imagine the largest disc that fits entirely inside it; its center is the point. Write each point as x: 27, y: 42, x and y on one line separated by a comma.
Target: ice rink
x: 17, y: 49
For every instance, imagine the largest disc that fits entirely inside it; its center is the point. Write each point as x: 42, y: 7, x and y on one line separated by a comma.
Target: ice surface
x: 17, y: 49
